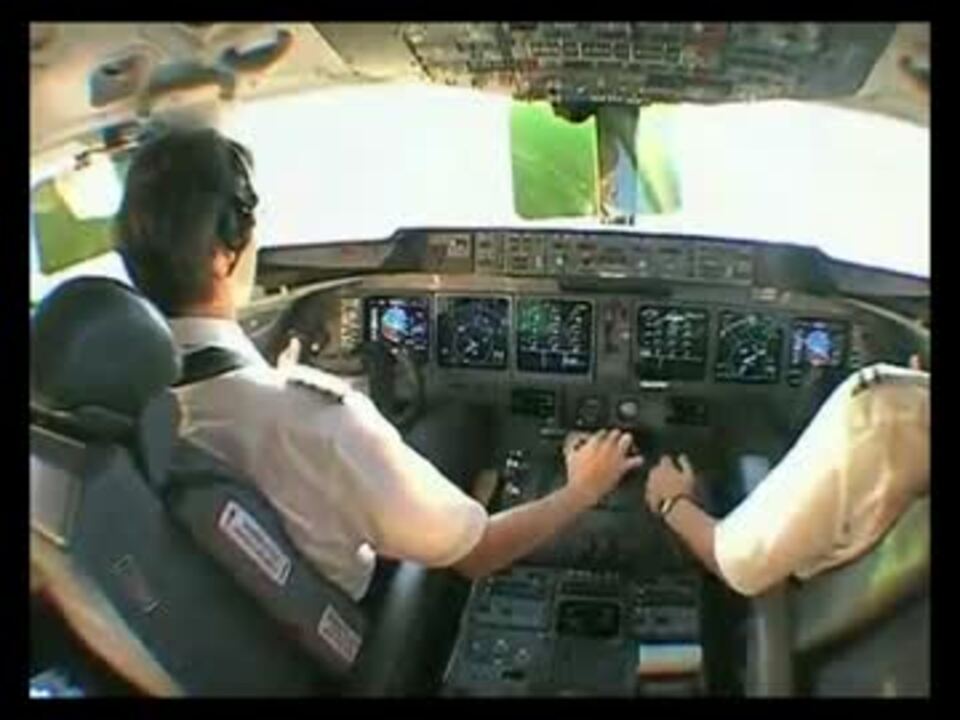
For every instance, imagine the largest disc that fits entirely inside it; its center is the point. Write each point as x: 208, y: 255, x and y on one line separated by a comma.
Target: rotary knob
x: 628, y: 410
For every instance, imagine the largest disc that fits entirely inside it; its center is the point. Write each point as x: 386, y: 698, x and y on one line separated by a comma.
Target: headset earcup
x: 236, y: 218
x: 227, y: 227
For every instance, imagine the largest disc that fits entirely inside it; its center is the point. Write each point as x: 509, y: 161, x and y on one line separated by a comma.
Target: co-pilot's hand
x: 666, y: 480
x: 290, y: 355
x: 596, y: 465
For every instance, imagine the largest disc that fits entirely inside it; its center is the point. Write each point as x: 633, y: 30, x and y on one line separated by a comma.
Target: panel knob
x: 628, y: 410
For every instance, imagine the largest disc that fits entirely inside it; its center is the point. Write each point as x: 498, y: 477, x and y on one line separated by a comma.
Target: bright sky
x: 855, y: 184
x: 354, y: 163
x: 360, y: 162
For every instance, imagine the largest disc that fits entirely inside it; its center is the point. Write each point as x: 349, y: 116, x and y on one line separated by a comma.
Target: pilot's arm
x: 412, y: 512
x: 670, y: 494
x: 788, y: 520
x: 843, y: 483
x: 593, y: 469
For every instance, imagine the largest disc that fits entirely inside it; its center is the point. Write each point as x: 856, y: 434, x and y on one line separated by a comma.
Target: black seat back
x: 208, y: 635
x: 191, y: 555
x: 234, y: 523
x: 860, y: 629
x: 864, y: 628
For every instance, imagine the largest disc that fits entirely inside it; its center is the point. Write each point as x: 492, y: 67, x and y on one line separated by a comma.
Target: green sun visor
x: 72, y: 214
x: 609, y: 162
x: 554, y: 163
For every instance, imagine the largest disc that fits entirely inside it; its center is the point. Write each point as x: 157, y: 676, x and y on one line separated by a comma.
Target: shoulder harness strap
x: 208, y: 362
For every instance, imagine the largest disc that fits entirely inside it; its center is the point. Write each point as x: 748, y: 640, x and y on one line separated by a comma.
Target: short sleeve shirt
x: 340, y: 475
x: 850, y: 475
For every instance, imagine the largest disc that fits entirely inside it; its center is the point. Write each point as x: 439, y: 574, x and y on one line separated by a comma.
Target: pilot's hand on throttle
x: 595, y: 466
x: 290, y: 355
x: 666, y: 480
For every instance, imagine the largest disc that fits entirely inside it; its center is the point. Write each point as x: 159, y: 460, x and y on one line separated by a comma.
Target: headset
x: 236, y: 215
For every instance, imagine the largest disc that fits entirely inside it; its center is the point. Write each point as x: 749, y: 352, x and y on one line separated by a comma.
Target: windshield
x: 358, y: 163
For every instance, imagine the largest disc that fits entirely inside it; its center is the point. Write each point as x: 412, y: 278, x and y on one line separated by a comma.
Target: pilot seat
x: 166, y: 562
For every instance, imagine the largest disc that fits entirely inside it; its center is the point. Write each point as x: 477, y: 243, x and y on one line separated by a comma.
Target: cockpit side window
x: 71, y: 224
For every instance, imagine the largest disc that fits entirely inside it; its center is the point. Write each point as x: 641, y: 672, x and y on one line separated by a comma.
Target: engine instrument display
x: 554, y: 336
x: 818, y: 343
x: 400, y: 323
x: 473, y: 332
x: 748, y: 348
x: 671, y: 343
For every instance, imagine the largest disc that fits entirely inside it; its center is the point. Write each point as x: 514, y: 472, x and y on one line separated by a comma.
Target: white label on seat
x: 340, y: 636
x: 240, y: 526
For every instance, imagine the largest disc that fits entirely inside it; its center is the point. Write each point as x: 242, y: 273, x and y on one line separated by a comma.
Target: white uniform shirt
x: 850, y: 475
x: 339, y: 474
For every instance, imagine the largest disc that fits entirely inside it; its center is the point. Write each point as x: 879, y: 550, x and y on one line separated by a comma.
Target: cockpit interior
x: 486, y: 346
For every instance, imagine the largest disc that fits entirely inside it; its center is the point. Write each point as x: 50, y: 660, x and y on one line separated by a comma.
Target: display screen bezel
x: 725, y: 378
x: 591, y: 331
x: 699, y: 374
x: 834, y: 324
x: 443, y: 303
x: 422, y: 355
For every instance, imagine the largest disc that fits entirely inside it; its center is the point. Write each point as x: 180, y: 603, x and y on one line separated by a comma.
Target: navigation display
x: 554, y: 336
x: 818, y: 343
x: 671, y: 343
x: 748, y: 348
x: 400, y: 323
x: 473, y: 332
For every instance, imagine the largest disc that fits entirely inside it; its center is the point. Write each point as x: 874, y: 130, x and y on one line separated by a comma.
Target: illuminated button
x: 522, y: 657
x: 500, y: 647
x: 590, y: 410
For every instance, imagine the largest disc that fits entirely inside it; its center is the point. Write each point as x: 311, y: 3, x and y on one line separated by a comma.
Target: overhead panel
x: 639, y: 62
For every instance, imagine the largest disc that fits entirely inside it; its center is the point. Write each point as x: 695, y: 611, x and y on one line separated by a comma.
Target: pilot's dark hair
x: 187, y: 191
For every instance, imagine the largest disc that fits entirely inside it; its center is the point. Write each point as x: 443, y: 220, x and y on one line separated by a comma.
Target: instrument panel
x: 590, y: 358
x: 571, y: 255
x: 560, y: 337
x: 601, y: 326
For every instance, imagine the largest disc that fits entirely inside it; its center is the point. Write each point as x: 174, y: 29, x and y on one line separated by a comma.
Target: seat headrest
x: 97, y: 342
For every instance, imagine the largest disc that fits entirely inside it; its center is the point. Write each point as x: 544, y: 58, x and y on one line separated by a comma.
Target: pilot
x: 344, y: 481
x: 854, y: 470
